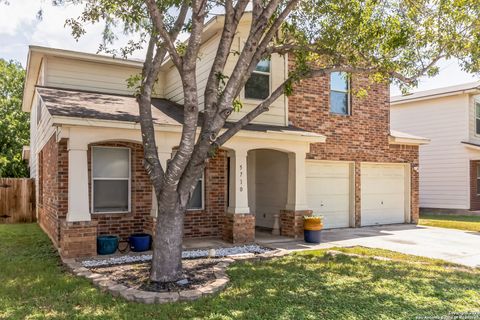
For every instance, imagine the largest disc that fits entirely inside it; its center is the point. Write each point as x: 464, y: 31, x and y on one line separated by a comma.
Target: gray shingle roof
x: 103, y: 106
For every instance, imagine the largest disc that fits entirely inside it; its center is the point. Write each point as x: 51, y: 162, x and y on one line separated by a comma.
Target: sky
x: 19, y: 28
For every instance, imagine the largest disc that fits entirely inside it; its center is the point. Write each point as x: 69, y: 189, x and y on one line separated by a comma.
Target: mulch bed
x: 198, y: 272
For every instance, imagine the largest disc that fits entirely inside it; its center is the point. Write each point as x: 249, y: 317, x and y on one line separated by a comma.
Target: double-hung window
x: 258, y: 85
x: 196, y: 201
x: 110, y: 179
x: 339, y: 93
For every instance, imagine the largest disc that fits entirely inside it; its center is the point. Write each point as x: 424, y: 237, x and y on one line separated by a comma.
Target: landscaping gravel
x: 190, y: 254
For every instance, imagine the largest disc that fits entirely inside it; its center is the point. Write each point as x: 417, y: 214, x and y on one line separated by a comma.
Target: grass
x: 468, y: 223
x: 306, y: 285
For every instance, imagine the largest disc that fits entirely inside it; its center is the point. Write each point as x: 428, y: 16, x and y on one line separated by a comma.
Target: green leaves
x: 402, y: 39
x: 14, y: 123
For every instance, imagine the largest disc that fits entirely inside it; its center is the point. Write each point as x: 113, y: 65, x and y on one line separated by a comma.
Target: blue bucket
x: 107, y: 244
x: 140, y: 242
x: 312, y: 236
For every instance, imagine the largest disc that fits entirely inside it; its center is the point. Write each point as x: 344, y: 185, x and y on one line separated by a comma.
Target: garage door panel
x: 327, y: 170
x: 328, y: 192
x: 382, y: 194
x: 381, y: 187
x: 327, y: 186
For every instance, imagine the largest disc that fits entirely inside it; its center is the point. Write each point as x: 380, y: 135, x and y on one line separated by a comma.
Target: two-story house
x: 321, y: 150
x: 450, y: 164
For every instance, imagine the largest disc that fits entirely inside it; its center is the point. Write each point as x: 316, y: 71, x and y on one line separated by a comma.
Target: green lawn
x: 469, y: 223
x: 307, y: 285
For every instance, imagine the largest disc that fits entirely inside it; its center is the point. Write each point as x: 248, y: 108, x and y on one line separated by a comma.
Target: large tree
x: 14, y: 123
x: 391, y: 40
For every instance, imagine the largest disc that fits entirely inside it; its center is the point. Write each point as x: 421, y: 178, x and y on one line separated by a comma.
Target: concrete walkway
x: 447, y: 244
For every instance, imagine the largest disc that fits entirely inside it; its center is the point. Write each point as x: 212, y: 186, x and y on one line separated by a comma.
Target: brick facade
x: 124, y: 224
x: 238, y: 228
x: 474, y: 192
x: 78, y: 239
x: 207, y: 222
x: 67, y: 237
x: 291, y: 222
x: 361, y: 136
x: 52, y: 187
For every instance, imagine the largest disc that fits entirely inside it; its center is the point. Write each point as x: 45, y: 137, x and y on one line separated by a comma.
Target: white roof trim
x: 280, y: 135
x: 26, y: 153
x: 466, y: 88
x: 397, y: 137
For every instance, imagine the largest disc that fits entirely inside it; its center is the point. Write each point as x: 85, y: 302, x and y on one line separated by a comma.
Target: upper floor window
x: 258, y: 85
x: 477, y: 118
x: 339, y: 93
x: 110, y: 179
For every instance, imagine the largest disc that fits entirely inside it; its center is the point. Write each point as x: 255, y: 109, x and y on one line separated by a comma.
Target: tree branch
x: 157, y: 19
x: 150, y: 73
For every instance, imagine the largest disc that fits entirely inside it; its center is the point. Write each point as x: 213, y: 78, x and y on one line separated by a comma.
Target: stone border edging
x: 148, y: 297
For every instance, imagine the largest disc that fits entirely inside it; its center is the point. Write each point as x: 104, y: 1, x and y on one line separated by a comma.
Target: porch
x: 256, y: 180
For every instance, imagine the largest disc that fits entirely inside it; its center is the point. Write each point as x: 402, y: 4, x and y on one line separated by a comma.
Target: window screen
x: 111, y: 179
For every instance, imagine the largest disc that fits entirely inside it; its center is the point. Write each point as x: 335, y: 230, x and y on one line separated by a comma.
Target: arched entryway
x: 267, y: 187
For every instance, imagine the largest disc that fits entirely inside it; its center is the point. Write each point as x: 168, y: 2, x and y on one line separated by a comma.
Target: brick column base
x: 78, y: 239
x: 238, y: 228
x: 291, y: 222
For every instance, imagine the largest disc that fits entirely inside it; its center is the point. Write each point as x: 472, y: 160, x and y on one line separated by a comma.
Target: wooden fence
x: 17, y: 200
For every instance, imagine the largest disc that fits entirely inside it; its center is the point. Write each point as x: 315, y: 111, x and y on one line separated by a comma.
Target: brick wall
x: 207, y: 222
x: 474, y: 193
x: 78, y: 239
x: 238, y: 228
x: 292, y: 222
x: 124, y: 224
x: 359, y: 137
x: 47, y: 203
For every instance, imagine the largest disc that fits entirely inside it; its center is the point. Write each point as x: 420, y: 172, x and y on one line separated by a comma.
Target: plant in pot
x: 312, y: 227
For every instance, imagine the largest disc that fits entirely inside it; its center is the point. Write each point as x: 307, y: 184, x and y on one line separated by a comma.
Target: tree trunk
x: 167, y: 246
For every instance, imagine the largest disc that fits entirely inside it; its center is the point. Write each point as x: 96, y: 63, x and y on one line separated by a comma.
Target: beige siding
x: 173, y: 85
x: 91, y: 76
x: 444, y: 163
x: 474, y: 137
x: 277, y: 113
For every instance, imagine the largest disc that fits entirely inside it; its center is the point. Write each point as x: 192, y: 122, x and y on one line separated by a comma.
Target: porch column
x: 238, y: 185
x: 291, y: 219
x: 239, y: 223
x: 164, y: 154
x: 78, y: 207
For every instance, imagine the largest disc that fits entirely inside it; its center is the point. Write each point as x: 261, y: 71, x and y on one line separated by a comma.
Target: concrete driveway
x: 447, y: 244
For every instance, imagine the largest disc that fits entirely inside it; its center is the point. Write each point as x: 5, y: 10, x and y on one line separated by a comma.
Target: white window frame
x: 202, y: 179
x: 349, y: 103
x: 269, y: 74
x: 129, y: 180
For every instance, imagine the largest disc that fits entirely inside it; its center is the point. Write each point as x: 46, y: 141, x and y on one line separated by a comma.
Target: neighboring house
x: 450, y: 164
x: 322, y: 150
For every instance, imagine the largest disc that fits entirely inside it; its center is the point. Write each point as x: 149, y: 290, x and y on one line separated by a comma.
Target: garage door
x: 328, y: 191
x: 383, y: 194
